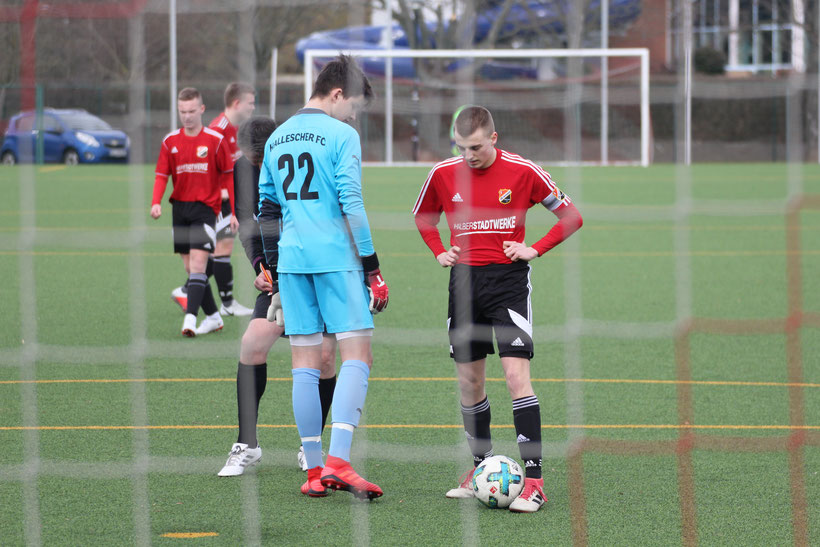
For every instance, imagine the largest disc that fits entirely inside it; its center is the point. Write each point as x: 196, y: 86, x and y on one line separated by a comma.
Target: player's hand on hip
x: 156, y: 210
x: 234, y: 224
x: 379, y: 293
x: 449, y: 258
x: 516, y: 251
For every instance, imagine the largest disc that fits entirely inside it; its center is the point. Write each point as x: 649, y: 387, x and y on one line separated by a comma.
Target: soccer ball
x: 497, y: 481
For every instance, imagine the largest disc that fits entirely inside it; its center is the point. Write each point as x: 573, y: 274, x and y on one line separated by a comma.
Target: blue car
x: 69, y: 136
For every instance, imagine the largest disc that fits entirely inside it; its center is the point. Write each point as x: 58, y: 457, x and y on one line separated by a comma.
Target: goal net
x: 557, y: 106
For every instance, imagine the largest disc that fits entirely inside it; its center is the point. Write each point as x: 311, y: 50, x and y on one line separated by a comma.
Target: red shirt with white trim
x: 196, y: 165
x: 221, y: 124
x: 484, y: 207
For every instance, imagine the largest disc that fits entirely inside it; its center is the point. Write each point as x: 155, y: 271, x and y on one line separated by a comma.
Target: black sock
x: 250, y: 385
x: 208, y: 302
x: 527, y: 420
x: 185, y: 287
x: 196, y: 290
x: 326, y: 387
x: 223, y: 274
x: 477, y: 425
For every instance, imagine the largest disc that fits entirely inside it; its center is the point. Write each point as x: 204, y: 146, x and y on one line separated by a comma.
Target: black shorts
x: 193, y: 223
x: 490, y: 298
x: 260, y: 309
x: 223, y: 222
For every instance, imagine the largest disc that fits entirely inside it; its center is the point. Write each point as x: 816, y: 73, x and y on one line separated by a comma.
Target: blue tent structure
x: 537, y: 16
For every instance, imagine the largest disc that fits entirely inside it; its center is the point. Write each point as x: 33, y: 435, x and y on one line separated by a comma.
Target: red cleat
x: 313, y: 485
x: 339, y: 475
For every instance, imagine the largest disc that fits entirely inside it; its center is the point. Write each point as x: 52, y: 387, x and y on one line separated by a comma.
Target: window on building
x: 754, y: 35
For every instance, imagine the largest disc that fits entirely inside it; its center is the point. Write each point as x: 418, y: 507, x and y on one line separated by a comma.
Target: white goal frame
x: 641, y: 53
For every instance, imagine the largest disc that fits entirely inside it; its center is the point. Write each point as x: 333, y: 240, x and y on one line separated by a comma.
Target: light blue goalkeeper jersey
x: 312, y: 169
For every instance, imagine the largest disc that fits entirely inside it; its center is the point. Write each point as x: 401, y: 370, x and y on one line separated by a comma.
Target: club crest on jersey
x: 201, y: 151
x: 504, y: 196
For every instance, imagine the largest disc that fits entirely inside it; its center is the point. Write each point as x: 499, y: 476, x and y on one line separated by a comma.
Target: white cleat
x: 464, y: 488
x: 189, y: 325
x: 300, y: 458
x: 235, y: 308
x: 240, y: 457
x: 531, y: 498
x: 211, y: 323
x: 179, y: 296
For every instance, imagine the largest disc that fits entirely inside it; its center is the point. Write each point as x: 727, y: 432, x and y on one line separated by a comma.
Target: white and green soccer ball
x: 497, y: 481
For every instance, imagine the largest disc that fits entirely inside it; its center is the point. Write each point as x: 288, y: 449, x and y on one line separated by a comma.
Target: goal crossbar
x: 641, y: 53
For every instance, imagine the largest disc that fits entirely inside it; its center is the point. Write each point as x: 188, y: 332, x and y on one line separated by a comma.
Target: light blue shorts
x: 338, y: 301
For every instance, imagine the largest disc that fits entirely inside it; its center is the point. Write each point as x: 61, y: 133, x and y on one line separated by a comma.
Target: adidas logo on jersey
x: 457, y: 198
x: 174, y: 150
x: 517, y: 342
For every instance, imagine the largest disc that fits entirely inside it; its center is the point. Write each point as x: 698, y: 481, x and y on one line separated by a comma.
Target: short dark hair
x: 342, y: 72
x: 189, y: 94
x: 252, y: 136
x: 473, y: 118
x: 235, y: 90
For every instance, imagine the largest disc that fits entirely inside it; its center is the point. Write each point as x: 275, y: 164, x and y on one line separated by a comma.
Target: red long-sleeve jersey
x: 197, y: 166
x: 222, y: 125
x: 485, y: 207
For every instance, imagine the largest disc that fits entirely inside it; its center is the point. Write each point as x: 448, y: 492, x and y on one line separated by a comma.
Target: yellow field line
x: 84, y: 253
x: 593, y: 254
x: 79, y: 228
x: 596, y: 227
x: 51, y: 169
x: 72, y: 211
x: 417, y: 426
x: 189, y: 535
x: 435, y: 379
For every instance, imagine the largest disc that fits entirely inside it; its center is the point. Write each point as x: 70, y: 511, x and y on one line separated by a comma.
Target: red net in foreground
x: 798, y: 436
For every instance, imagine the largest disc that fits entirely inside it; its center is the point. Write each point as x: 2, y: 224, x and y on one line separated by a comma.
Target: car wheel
x: 8, y: 158
x: 71, y: 157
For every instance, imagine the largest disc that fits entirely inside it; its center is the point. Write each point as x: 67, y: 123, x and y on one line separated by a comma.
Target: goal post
x: 494, y: 90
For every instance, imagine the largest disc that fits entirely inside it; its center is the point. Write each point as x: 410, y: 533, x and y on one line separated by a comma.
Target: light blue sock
x: 307, y: 411
x: 348, y: 402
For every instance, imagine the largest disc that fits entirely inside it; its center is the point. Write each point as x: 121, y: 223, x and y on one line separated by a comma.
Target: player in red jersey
x: 485, y: 194
x: 240, y: 102
x: 197, y: 160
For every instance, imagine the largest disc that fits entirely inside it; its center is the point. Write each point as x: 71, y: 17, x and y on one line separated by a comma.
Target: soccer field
x: 677, y: 364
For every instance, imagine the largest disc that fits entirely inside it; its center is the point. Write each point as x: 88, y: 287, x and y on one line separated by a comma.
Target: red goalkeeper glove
x: 376, y: 285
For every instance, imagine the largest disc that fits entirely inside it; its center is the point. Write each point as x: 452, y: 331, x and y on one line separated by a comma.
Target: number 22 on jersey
x: 304, y: 162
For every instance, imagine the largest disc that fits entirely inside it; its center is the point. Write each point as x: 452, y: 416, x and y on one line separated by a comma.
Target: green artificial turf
x: 114, y: 426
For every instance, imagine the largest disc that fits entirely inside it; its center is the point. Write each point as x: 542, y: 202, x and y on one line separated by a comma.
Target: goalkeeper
x: 259, y: 337
x: 310, y: 189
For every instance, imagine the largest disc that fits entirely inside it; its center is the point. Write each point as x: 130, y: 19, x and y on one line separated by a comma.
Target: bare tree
x: 545, y: 25
x: 9, y: 61
x: 282, y: 27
